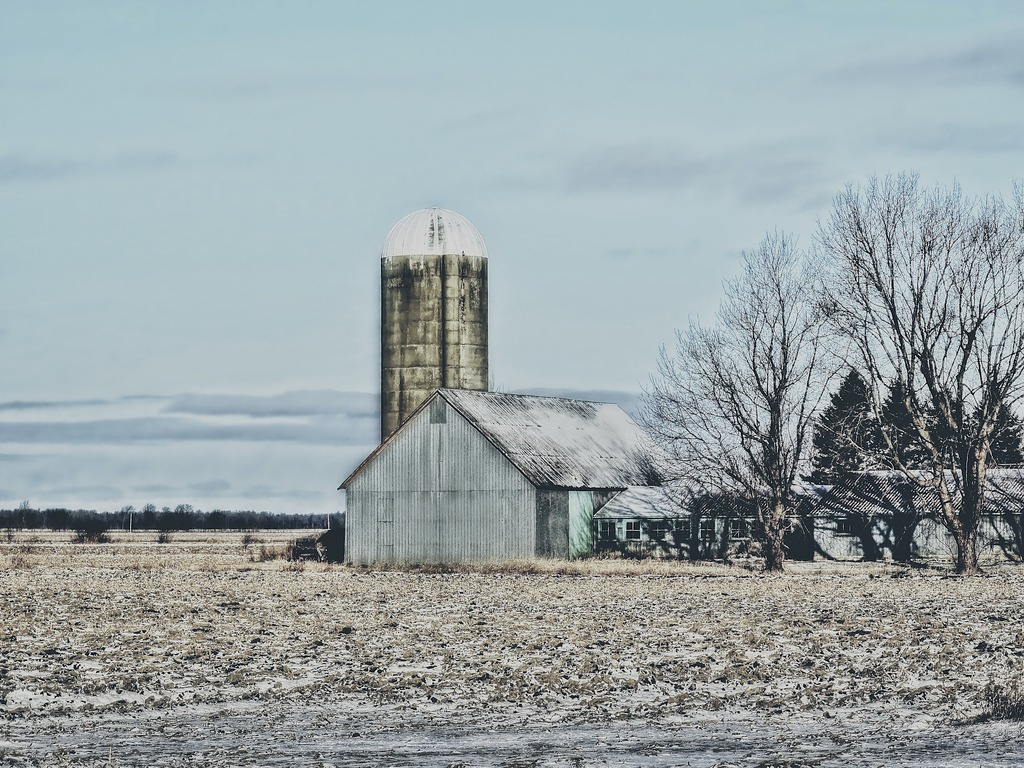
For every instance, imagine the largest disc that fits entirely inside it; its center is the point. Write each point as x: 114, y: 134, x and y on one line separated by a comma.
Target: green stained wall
x: 564, y: 523
x: 581, y: 516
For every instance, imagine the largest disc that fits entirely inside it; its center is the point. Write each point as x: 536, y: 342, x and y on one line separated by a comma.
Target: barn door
x: 581, y: 517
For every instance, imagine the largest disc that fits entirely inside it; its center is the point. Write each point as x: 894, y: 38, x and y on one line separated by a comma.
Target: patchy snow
x: 242, y: 663
x: 557, y: 442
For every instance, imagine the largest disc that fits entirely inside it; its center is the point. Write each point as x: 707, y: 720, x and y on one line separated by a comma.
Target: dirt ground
x: 201, y: 651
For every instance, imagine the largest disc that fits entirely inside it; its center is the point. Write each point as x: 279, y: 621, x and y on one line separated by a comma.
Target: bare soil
x: 201, y: 651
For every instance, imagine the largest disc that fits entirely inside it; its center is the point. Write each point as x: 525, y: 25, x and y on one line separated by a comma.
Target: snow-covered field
x: 196, y: 652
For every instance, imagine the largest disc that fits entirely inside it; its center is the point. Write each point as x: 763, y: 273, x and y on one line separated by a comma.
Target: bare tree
x: 928, y: 288
x: 733, y: 405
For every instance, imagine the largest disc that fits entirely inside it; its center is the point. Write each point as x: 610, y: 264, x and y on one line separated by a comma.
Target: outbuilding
x: 476, y: 476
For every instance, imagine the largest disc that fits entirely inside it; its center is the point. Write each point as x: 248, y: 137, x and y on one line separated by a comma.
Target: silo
x: 433, y: 298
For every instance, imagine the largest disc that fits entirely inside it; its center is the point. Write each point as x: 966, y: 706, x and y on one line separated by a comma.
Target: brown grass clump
x: 1005, y: 700
x: 597, y: 566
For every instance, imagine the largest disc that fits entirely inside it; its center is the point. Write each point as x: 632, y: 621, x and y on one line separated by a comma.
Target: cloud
x: 300, y: 403
x: 209, y: 487
x: 949, y: 137
x: 266, y: 492
x: 327, y: 431
x: 28, y: 405
x: 155, y: 488
x: 756, y: 173
x: 18, y: 168
x: 998, y: 60
x: 88, y: 492
x: 319, y: 417
x: 636, y: 166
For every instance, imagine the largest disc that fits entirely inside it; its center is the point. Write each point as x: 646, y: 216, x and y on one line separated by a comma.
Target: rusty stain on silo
x: 433, y: 311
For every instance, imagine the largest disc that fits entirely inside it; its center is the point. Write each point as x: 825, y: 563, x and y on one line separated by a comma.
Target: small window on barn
x: 438, y: 411
x: 607, y: 530
x: 844, y: 525
x: 632, y: 530
x: 684, y: 529
x: 736, y: 528
x: 707, y: 528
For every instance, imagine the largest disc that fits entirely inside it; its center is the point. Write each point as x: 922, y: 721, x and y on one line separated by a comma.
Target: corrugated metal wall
x: 440, y: 492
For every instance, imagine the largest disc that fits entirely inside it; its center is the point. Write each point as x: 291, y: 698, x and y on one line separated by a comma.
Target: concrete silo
x: 433, y: 297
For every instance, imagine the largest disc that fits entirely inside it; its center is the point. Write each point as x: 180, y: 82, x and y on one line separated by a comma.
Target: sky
x: 193, y: 197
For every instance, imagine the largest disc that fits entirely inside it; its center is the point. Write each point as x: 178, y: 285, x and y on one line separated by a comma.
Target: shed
x: 477, y: 476
x: 884, y: 510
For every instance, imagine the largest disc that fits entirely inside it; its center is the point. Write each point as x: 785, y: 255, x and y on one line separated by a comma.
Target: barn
x: 476, y: 476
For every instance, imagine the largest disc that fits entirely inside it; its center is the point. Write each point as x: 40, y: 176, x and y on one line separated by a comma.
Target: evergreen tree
x: 1006, y: 439
x: 845, y: 433
x: 898, y: 425
x: 846, y: 439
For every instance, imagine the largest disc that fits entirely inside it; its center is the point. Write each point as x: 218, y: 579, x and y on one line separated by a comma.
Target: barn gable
x: 554, y: 442
x: 438, y: 491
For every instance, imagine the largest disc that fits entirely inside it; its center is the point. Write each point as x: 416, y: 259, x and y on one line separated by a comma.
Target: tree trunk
x: 967, y: 552
x: 903, y: 525
x: 774, y: 539
x: 966, y: 521
x: 866, y: 533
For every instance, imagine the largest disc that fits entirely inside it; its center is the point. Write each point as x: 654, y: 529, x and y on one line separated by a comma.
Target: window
x: 632, y: 530
x: 707, y: 528
x: 607, y: 530
x: 844, y: 525
x: 736, y: 528
x: 684, y: 529
x: 660, y: 529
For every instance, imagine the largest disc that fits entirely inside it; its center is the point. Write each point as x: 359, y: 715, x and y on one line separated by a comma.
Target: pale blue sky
x: 193, y: 197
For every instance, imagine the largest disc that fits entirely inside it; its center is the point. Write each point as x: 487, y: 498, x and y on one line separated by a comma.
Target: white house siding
x: 439, y: 493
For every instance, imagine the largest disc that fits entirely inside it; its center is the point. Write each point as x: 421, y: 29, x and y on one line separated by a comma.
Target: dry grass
x: 134, y: 625
x: 144, y: 550
x: 1005, y: 699
x: 119, y: 626
x: 134, y: 632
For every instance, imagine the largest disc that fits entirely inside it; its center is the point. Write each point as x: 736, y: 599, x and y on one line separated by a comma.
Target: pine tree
x: 898, y: 425
x: 846, y: 437
x: 1006, y: 439
x: 844, y: 433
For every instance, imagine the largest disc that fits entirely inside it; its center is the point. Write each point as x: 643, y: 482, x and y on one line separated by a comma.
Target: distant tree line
x: 183, y: 517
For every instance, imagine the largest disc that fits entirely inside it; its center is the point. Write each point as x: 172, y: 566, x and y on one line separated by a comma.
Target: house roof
x: 555, y: 442
x: 880, y: 492
x: 647, y: 502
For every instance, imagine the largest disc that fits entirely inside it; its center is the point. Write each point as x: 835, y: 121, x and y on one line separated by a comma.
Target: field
x: 202, y: 651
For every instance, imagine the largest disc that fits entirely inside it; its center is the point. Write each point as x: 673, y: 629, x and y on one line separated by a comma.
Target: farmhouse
x: 883, y: 513
x: 480, y: 476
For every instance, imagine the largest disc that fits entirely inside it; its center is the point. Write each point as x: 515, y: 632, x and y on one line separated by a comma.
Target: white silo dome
x: 433, y: 232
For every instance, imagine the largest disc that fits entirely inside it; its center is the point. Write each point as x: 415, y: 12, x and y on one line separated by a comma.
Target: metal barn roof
x: 433, y: 232
x: 880, y: 492
x: 554, y: 442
